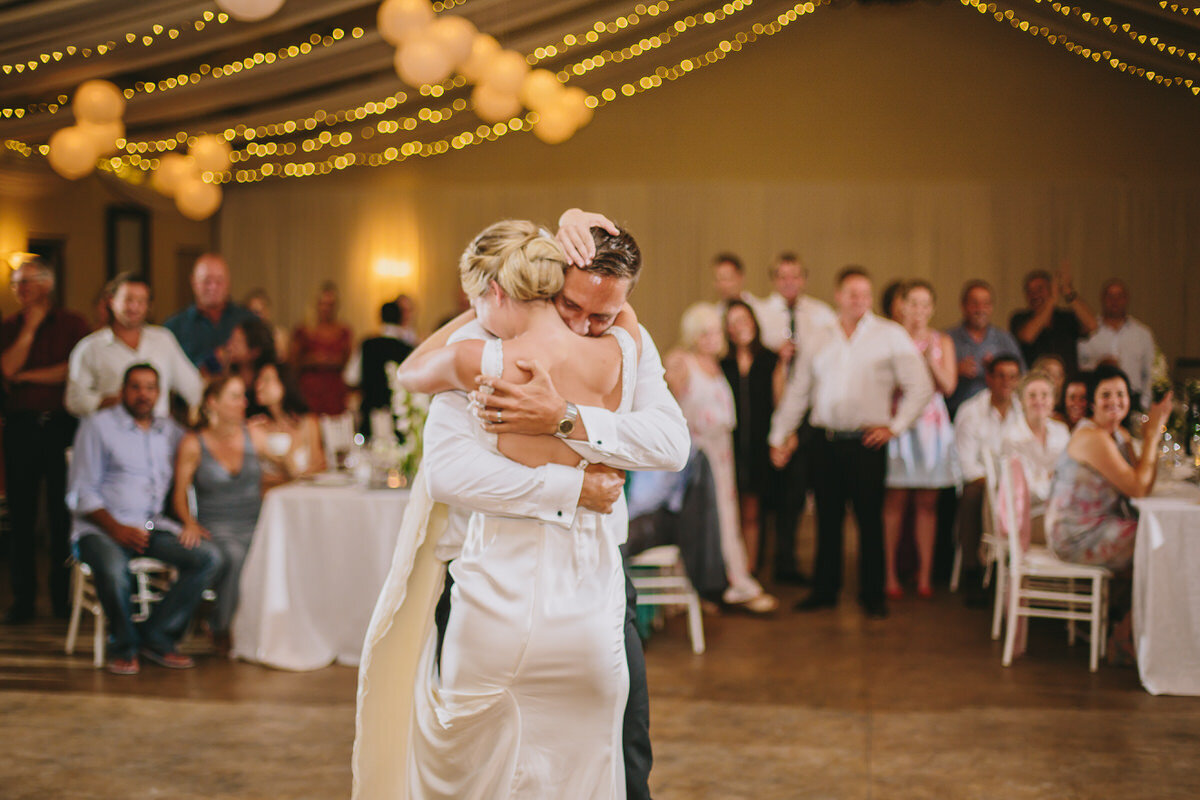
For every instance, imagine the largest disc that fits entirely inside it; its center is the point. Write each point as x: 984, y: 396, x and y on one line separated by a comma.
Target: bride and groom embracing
x: 516, y: 671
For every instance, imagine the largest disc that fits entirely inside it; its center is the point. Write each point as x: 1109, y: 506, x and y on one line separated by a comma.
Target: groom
x: 605, y: 265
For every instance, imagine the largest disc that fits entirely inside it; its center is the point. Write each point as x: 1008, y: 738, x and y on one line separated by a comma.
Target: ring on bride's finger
x: 499, y: 416
x: 486, y: 388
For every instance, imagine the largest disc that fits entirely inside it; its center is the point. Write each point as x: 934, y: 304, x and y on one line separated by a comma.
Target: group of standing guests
x: 139, y: 482
x: 893, y: 417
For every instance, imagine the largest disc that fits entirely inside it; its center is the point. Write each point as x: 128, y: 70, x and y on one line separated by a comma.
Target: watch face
x: 566, y: 426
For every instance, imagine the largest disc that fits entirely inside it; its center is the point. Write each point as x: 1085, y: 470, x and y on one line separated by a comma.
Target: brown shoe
x: 123, y: 666
x: 170, y: 660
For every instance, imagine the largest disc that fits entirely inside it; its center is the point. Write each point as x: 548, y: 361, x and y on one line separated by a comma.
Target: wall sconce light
x: 393, y: 268
x: 17, y: 258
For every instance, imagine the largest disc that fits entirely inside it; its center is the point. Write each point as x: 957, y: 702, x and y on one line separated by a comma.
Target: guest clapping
x: 922, y: 459
x: 220, y: 461
x: 293, y: 436
x: 695, y: 378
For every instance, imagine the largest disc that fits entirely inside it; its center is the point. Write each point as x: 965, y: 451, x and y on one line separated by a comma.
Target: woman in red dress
x: 320, y: 353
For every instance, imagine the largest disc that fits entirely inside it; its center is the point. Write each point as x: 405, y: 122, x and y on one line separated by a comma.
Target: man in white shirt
x: 848, y: 380
x: 979, y: 428
x: 788, y: 318
x: 97, y: 364
x: 1121, y: 340
x: 652, y: 436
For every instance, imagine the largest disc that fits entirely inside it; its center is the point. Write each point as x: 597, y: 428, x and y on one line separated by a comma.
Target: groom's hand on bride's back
x: 534, y: 407
x: 602, y: 486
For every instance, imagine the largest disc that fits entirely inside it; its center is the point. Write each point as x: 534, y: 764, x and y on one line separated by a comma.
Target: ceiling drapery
x: 312, y: 88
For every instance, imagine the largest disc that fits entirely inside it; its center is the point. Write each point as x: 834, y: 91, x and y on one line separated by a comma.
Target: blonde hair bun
x: 516, y: 254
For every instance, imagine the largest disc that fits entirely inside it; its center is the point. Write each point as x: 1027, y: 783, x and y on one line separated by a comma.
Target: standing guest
x: 1037, y: 439
x: 791, y: 318
x: 35, y: 344
x: 251, y: 343
x: 292, y: 436
x: 320, y: 354
x: 120, y: 475
x: 207, y: 324
x: 922, y: 459
x: 980, y: 427
x: 976, y: 342
x: 258, y: 303
x: 368, y: 367
x: 1121, y: 340
x: 788, y: 313
x: 1075, y: 401
x: 99, y: 361
x: 891, y: 301
x: 848, y: 380
x: 1089, y: 519
x: 101, y: 313
x: 408, y: 320
x: 729, y: 281
x: 756, y: 376
x: 1043, y: 327
x: 221, y: 462
x: 695, y: 378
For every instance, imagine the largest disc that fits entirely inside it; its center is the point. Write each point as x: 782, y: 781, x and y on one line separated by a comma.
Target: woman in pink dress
x: 320, y: 354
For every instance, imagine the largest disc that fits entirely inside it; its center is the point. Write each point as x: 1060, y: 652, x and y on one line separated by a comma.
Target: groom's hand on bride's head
x: 602, y: 486
x: 575, y: 234
x: 534, y: 407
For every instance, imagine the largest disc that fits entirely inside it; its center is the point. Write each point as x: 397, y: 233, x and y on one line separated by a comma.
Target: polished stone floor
x: 828, y: 705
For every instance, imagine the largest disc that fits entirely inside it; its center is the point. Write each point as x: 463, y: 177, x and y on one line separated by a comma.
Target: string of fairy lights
x: 273, y: 140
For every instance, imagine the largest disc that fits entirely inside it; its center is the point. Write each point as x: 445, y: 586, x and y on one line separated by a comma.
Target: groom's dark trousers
x: 635, y: 733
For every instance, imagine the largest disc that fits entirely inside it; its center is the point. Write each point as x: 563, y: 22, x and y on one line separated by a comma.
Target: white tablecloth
x: 319, y: 558
x: 1166, y: 590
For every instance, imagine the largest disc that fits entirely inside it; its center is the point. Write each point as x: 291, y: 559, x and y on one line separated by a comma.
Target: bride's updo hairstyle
x: 524, y: 261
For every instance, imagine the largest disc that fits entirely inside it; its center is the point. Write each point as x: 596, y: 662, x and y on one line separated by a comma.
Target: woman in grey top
x: 221, y: 461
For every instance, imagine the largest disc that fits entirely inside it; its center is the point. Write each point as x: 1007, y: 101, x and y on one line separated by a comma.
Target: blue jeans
x: 169, y: 617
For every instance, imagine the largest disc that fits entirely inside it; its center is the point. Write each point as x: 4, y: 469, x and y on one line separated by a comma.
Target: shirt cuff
x: 561, y: 489
x: 601, y: 426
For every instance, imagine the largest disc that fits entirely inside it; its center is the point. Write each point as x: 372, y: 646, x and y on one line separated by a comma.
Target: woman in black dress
x: 757, y: 378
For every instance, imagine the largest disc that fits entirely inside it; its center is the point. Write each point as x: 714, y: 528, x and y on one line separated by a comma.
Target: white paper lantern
x: 483, y: 48
x: 72, y: 153
x: 540, y: 89
x: 400, y: 19
x: 506, y: 71
x: 422, y: 60
x: 211, y: 153
x: 98, y: 101
x: 250, y: 10
x: 492, y: 105
x: 456, y: 35
x: 554, y: 126
x: 103, y: 137
x: 573, y: 101
x: 196, y: 199
x: 173, y: 171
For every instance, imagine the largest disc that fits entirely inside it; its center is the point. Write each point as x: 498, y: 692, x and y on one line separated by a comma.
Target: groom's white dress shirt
x: 467, y: 476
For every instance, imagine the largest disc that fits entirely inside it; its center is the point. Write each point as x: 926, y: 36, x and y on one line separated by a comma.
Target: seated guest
x: 757, y: 377
x: 980, y: 426
x: 1037, y: 439
x: 320, y: 353
x: 251, y: 343
x: 221, y: 462
x: 207, y: 324
x: 99, y: 361
x: 976, y: 342
x: 1122, y: 341
x: 292, y: 443
x: 694, y: 376
x: 368, y: 367
x: 1075, y: 401
x: 120, y: 473
x: 1052, y: 366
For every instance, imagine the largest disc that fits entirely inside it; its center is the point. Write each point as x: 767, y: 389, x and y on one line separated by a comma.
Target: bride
x: 527, y: 697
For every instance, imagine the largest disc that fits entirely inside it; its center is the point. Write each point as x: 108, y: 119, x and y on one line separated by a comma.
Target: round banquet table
x: 319, y: 558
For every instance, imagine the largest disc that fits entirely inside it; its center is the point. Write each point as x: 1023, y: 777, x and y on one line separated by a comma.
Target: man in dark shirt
x: 206, y: 325
x: 1044, y: 328
x: 374, y: 355
x: 35, y: 344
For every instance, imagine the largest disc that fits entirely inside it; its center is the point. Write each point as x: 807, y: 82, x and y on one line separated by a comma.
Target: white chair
x: 1041, y: 585
x: 337, y: 436
x: 660, y: 580
x: 151, y: 579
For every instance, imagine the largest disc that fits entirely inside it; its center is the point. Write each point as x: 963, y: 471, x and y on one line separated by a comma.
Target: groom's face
x: 589, y: 302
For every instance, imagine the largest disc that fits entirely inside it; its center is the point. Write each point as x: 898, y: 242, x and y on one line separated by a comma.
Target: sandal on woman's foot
x: 759, y: 604
x: 894, y: 592
x: 924, y: 592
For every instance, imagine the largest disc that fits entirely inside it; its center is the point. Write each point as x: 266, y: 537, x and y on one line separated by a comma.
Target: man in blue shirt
x: 121, y: 473
x: 976, y: 342
x: 206, y: 325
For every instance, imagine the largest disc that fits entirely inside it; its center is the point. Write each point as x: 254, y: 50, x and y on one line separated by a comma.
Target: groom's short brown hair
x: 617, y: 255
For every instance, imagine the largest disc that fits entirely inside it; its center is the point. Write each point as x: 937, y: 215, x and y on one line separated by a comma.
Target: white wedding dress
x: 530, y: 695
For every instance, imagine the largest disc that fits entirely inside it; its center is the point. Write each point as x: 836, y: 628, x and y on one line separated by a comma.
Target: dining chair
x: 1041, y: 585
x: 151, y: 579
x: 660, y: 580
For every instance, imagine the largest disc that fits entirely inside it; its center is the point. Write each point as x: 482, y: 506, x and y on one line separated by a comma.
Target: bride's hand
x: 575, y: 234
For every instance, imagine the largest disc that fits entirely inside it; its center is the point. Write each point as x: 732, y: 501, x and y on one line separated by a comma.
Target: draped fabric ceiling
x: 322, y: 65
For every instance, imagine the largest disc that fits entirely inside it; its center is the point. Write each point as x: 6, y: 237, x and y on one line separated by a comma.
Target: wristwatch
x: 566, y: 425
